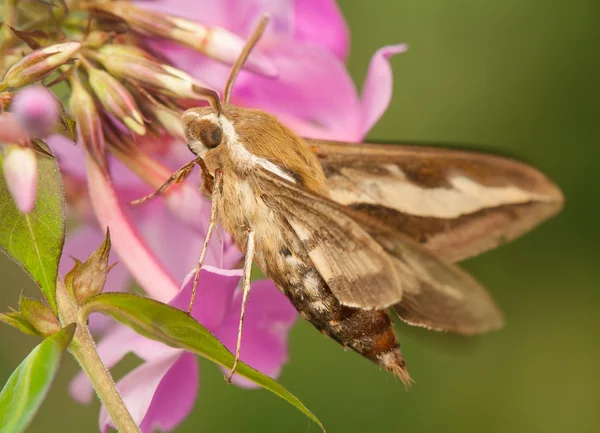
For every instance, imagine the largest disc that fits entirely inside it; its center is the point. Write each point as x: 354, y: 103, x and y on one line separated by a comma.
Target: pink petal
x: 213, y: 297
x: 36, y: 109
x: 11, y: 131
x: 136, y: 255
x: 176, y: 245
x: 139, y: 387
x: 269, y: 317
x: 281, y: 19
x: 20, y: 172
x: 118, y: 341
x: 321, y: 22
x: 174, y: 398
x: 313, y: 86
x: 71, y: 160
x: 209, y: 12
x: 70, y: 156
x: 377, y: 88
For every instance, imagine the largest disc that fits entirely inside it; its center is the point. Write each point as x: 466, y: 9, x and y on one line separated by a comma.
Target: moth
x: 351, y: 233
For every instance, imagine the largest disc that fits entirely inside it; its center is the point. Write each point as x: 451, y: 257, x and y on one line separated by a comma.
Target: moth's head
x: 203, y: 129
x: 206, y: 128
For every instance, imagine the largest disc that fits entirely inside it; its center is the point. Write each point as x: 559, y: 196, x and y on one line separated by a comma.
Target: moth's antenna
x: 250, y: 43
x: 211, y: 96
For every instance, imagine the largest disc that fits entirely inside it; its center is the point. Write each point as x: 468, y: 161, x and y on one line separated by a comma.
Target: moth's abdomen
x: 368, y: 332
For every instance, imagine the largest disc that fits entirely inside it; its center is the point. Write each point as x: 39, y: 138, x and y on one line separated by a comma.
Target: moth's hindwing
x: 457, y: 203
x: 369, y: 265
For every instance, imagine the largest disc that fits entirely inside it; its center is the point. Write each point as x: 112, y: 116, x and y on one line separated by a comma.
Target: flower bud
x: 20, y: 172
x: 88, y: 278
x: 162, y: 78
x: 38, y: 65
x: 37, y: 110
x: 168, y: 118
x: 16, y: 320
x: 39, y: 315
x: 214, y: 42
x: 5, y: 100
x: 89, y: 124
x: 117, y: 100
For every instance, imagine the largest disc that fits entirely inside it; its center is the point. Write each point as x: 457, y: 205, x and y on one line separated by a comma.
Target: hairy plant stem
x: 84, y: 351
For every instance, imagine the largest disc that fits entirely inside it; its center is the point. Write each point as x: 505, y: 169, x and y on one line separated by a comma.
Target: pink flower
x: 161, y: 392
x: 36, y: 109
x: 306, y: 41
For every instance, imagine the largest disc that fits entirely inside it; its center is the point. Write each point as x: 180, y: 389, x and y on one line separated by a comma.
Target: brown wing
x: 367, y: 264
x: 356, y: 268
x: 457, y: 203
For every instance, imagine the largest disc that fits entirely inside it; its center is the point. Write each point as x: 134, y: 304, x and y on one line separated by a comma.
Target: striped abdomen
x: 368, y: 332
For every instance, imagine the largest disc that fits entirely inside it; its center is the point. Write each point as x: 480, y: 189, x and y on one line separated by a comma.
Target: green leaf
x: 28, y: 385
x: 16, y: 320
x: 167, y: 324
x: 39, y: 315
x: 35, y: 240
x: 35, y: 39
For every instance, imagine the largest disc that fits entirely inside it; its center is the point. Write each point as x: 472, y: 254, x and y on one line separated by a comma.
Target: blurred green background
x: 519, y: 77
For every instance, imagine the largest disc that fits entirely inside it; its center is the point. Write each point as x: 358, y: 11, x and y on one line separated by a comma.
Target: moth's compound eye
x: 202, y: 129
x: 211, y: 135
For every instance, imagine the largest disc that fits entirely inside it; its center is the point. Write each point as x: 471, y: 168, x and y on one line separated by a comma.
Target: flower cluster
x: 124, y: 71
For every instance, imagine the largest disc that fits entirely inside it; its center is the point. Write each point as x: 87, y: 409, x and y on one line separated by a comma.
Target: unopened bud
x: 39, y: 315
x: 39, y: 64
x: 5, y: 100
x: 37, y: 110
x: 168, y: 118
x: 117, y: 100
x: 88, y: 122
x: 20, y: 172
x: 16, y: 320
x: 162, y: 78
x: 214, y: 42
x: 88, y: 278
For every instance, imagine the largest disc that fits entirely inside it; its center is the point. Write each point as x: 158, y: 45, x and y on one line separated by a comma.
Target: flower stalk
x: 83, y: 349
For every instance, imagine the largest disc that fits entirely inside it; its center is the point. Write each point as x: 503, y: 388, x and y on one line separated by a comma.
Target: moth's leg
x: 207, y: 185
x: 247, y: 271
x: 216, y: 193
x: 176, y: 177
x: 208, y: 180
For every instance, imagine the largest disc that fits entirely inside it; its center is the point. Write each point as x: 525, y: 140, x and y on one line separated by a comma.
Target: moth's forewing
x: 370, y: 265
x: 356, y: 268
x: 457, y: 203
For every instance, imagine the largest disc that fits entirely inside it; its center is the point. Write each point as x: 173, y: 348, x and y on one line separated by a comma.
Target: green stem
x: 9, y: 12
x: 84, y: 350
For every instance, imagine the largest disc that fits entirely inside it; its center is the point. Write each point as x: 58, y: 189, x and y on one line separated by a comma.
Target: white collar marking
x: 239, y: 151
